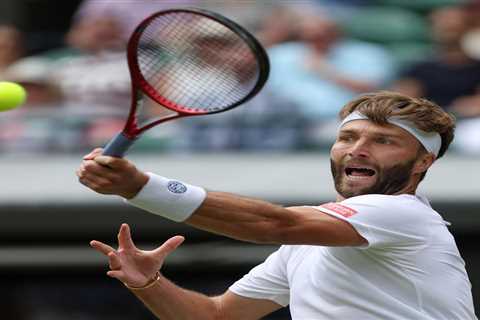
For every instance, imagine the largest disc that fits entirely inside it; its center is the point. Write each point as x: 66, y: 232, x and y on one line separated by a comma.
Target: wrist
x: 171, y: 199
x: 151, y: 282
x: 139, y: 181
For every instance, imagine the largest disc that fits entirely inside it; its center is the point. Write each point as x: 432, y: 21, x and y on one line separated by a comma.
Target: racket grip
x: 118, y: 146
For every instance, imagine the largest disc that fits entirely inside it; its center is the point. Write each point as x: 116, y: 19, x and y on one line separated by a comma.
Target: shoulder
x: 407, y: 202
x: 389, y: 219
x: 377, y: 204
x: 395, y: 208
x: 382, y: 200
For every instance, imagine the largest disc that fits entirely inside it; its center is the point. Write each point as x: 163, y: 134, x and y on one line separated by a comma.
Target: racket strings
x: 159, y: 69
x: 194, y: 73
x: 196, y: 62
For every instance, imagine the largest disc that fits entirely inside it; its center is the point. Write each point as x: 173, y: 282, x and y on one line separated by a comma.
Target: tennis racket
x: 189, y: 62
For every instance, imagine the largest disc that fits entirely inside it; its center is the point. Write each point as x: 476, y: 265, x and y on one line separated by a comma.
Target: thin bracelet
x: 149, y: 284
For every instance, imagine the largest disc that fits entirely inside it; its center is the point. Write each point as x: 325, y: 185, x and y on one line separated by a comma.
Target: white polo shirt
x: 410, y: 269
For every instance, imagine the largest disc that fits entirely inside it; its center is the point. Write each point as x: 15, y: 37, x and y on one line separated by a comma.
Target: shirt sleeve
x: 266, y: 281
x: 384, y: 221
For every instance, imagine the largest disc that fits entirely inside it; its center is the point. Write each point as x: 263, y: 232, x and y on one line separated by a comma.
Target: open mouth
x: 359, y: 172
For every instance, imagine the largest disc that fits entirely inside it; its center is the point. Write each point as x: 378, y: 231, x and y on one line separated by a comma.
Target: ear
x: 424, y: 161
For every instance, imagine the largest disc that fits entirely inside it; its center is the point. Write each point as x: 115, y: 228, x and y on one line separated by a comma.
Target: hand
x: 133, y: 266
x: 110, y: 175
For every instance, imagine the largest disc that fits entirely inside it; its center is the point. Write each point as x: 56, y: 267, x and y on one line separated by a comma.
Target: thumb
x: 111, y: 162
x: 117, y: 274
x: 94, y: 153
x: 168, y: 247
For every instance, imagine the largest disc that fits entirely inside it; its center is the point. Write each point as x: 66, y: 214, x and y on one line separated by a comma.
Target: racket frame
x: 140, y: 86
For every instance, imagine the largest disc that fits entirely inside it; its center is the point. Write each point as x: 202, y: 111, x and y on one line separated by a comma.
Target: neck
x: 410, y: 188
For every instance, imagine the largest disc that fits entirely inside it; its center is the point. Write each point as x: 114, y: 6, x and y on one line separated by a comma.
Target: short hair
x: 425, y: 114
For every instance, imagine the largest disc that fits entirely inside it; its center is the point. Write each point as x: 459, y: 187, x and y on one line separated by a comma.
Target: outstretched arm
x: 139, y: 271
x: 263, y: 222
x: 223, y: 213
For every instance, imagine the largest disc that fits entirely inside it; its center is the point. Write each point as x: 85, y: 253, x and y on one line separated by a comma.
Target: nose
x: 359, y: 149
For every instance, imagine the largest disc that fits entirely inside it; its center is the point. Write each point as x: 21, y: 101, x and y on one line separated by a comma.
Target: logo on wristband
x: 176, y: 187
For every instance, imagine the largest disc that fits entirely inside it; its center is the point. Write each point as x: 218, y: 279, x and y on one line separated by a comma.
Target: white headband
x: 430, y: 140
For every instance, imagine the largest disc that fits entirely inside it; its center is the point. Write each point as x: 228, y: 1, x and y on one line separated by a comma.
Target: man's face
x: 367, y: 158
x: 319, y: 31
x: 449, y: 25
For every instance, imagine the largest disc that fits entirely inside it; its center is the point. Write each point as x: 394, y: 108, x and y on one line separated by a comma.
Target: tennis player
x: 378, y: 252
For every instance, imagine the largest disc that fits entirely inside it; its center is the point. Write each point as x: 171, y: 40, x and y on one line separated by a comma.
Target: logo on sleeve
x: 339, y: 209
x: 176, y: 187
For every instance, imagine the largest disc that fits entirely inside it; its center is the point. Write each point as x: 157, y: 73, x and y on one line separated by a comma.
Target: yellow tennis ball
x: 12, y: 95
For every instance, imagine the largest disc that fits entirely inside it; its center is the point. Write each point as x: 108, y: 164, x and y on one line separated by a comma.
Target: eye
x: 383, y: 140
x: 345, y: 138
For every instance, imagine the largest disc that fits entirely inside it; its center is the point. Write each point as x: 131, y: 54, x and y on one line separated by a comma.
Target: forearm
x: 218, y: 212
x: 242, y: 218
x: 168, y: 301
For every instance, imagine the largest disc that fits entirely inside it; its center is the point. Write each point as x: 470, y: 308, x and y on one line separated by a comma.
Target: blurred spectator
x: 87, y: 82
x: 323, y: 69
x: 451, y: 74
x: 33, y: 73
x: 72, y: 70
x: 25, y: 128
x: 452, y: 77
x: 71, y: 89
x: 263, y: 124
x: 279, y: 25
x: 95, y: 73
x: 127, y: 13
x: 249, y: 14
x: 94, y: 34
x: 11, y: 46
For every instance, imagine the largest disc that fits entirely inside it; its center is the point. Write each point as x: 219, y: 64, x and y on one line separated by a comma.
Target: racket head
x: 194, y: 62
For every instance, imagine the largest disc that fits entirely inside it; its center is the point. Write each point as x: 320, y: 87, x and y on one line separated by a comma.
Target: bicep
x: 233, y: 306
x: 315, y: 227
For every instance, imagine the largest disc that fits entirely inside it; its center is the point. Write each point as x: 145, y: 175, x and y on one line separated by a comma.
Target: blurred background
x: 70, y: 56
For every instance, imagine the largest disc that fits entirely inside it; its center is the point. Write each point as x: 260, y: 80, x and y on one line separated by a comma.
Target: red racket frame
x: 140, y: 85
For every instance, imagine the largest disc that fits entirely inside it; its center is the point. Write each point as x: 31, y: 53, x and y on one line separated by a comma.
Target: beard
x: 389, y: 181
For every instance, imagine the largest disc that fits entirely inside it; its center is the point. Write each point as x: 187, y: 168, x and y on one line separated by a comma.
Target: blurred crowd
x: 322, y: 54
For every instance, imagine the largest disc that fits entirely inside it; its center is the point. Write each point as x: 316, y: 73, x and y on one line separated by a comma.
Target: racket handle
x: 118, y: 146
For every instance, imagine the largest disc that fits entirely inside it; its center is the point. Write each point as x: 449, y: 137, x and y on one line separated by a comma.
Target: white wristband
x: 168, y: 198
